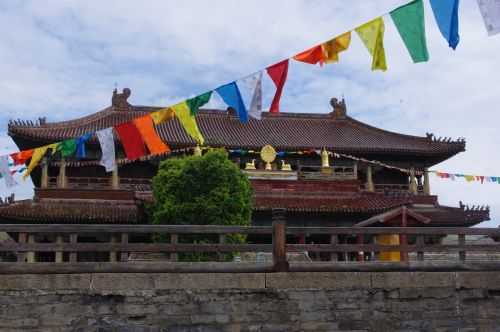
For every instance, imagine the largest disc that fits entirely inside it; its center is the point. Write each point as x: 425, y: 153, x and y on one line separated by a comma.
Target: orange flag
x: 145, y: 127
x: 312, y: 55
x: 22, y: 156
x: 332, y: 48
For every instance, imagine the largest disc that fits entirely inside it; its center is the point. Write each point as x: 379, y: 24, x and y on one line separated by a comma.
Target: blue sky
x: 61, y: 59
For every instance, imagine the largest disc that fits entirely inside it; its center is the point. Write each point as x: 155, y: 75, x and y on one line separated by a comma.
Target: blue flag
x: 232, y: 97
x: 446, y: 14
x: 80, y: 145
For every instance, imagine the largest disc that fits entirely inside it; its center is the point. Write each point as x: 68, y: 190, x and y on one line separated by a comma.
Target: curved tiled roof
x: 284, y: 131
x: 71, y: 211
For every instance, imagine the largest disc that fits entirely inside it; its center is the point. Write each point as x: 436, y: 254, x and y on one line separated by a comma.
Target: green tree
x: 206, y: 190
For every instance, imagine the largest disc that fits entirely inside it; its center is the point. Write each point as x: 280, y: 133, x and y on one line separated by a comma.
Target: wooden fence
x: 336, y: 248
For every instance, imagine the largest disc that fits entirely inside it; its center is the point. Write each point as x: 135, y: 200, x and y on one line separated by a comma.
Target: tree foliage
x: 202, y: 190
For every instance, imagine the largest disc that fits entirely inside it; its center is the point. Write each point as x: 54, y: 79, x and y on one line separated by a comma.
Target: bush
x: 206, y: 190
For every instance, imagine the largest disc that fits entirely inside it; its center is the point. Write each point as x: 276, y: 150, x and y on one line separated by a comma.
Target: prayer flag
x: 162, y: 115
x: 107, y: 142
x: 131, y: 140
x: 332, y: 48
x: 446, y: 14
x: 38, y: 154
x: 198, y: 101
x: 188, y: 121
x: 22, y: 156
x: 312, y: 55
x: 372, y: 35
x: 5, y: 172
x: 146, y: 128
x: 253, y: 84
x: 490, y: 10
x: 409, y: 20
x: 80, y: 145
x: 67, y: 147
x: 278, y: 73
x: 232, y: 97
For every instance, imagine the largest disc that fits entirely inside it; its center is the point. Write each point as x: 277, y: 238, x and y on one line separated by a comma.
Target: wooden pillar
x: 113, y: 255
x: 174, y: 239
x: 461, y: 242
x: 124, y: 254
x: 222, y: 239
x: 44, y: 181
x: 427, y: 185
x: 59, y: 254
x: 279, y: 241
x: 334, y: 240
x: 413, y: 182
x: 369, y: 179
x: 115, y: 178
x: 21, y: 256
x: 360, y: 253
x: 62, y: 181
x: 30, y: 255
x: 73, y: 256
x: 420, y: 242
x: 403, y: 239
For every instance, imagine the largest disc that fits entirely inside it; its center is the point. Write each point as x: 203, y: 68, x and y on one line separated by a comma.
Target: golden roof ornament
x: 268, y: 154
x: 325, y: 162
x: 197, y: 151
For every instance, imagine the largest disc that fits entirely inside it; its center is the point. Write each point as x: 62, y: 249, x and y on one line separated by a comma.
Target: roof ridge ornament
x: 119, y: 100
x: 339, y: 108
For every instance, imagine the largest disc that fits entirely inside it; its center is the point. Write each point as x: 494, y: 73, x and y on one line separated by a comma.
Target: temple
x: 287, y: 156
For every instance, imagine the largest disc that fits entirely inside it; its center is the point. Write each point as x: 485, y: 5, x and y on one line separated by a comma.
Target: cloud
x: 62, y: 59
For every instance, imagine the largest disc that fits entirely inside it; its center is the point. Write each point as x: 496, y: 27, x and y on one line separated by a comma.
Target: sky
x: 62, y: 59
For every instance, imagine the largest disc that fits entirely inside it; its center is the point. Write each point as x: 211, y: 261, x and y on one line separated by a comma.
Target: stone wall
x: 389, y: 301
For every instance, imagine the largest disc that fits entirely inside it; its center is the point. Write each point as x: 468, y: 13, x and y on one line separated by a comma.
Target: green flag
x: 67, y: 147
x: 198, y: 101
x: 409, y: 19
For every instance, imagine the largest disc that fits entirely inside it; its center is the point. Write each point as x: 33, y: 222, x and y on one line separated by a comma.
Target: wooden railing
x: 332, y: 173
x: 102, y: 183
x: 335, y: 248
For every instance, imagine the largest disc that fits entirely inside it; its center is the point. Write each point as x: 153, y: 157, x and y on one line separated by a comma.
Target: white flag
x: 252, y: 95
x: 107, y: 142
x: 490, y: 9
x: 5, y: 172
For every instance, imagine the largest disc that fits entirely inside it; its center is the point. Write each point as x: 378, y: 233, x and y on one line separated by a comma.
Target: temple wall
x: 390, y: 301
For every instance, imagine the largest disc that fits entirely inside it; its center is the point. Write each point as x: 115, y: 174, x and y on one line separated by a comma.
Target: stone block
x: 487, y: 280
x: 318, y: 280
x: 122, y: 281
x: 51, y: 282
x: 194, y: 281
x: 394, y: 280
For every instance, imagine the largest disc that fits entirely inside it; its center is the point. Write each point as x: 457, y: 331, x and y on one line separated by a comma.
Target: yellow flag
x: 332, y: 48
x: 372, y: 35
x: 162, y: 115
x: 38, y: 154
x: 188, y: 121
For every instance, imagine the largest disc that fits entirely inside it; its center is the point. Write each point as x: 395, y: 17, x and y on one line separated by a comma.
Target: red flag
x: 312, y: 56
x: 131, y: 140
x: 22, y: 156
x: 278, y: 73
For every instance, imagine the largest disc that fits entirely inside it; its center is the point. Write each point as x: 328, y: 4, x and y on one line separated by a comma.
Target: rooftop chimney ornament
x: 339, y: 108
x: 119, y: 100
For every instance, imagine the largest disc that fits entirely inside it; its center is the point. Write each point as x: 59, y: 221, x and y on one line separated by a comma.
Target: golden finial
x: 324, y: 159
x: 197, y: 151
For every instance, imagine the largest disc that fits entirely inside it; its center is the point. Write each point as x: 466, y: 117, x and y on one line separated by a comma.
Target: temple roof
x: 71, y: 211
x: 285, y: 131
